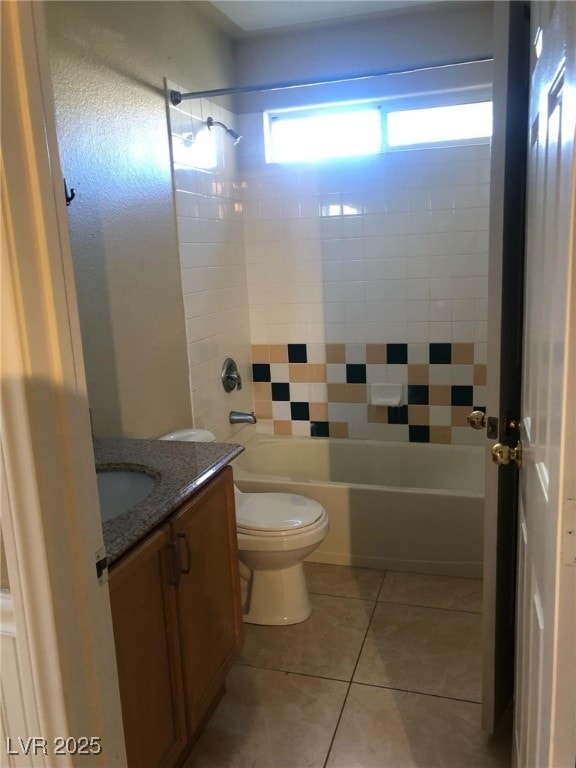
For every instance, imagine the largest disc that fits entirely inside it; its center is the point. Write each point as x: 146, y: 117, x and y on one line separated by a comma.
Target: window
x: 439, y: 124
x: 308, y: 135
x: 322, y: 133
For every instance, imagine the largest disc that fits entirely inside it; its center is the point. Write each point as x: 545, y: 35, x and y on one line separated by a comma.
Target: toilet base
x: 277, y: 597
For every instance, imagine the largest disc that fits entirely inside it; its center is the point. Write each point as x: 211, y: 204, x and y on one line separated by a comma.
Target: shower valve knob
x: 230, y: 376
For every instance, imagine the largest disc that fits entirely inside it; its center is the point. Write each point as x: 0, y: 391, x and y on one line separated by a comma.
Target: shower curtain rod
x: 176, y: 97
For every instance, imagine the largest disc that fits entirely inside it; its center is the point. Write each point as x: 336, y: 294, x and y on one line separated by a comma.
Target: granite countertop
x: 179, y: 468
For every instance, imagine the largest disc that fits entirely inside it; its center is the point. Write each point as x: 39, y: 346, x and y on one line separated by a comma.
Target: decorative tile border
x: 324, y: 390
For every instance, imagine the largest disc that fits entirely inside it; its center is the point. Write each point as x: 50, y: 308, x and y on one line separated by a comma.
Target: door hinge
x: 102, y: 566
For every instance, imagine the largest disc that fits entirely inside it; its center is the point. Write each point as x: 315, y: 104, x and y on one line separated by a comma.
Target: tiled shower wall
x: 370, y: 270
x: 210, y: 235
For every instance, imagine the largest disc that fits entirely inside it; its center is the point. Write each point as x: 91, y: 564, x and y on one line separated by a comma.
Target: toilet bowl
x: 276, y: 531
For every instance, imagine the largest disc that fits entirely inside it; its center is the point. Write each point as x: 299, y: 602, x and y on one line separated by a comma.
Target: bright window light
x: 316, y: 136
x: 439, y: 124
x: 198, y: 150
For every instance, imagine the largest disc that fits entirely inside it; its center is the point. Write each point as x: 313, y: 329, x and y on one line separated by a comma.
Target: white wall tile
x: 463, y: 331
x: 440, y: 415
x: 418, y: 331
x: 410, y: 266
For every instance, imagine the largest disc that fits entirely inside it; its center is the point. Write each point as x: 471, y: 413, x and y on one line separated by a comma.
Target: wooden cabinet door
x: 147, y: 654
x: 209, y: 607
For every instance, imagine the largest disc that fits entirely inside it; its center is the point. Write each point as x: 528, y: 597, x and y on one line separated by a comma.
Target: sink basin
x: 119, y: 490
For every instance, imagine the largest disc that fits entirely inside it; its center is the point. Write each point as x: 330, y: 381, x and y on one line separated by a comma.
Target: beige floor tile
x: 270, y: 719
x: 327, y: 644
x: 427, y: 650
x: 343, y: 581
x: 381, y: 728
x: 433, y: 591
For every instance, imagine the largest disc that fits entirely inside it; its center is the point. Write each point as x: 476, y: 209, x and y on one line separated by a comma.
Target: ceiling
x: 253, y: 16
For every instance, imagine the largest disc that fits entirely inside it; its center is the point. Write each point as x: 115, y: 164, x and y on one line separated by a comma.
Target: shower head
x: 236, y: 136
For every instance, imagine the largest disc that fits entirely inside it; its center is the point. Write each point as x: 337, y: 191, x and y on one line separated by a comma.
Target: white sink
x: 119, y: 490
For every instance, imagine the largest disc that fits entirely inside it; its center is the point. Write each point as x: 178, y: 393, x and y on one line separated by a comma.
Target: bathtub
x: 400, y: 506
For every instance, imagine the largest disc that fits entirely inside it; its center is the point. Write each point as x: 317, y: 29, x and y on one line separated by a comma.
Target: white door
x: 545, y: 700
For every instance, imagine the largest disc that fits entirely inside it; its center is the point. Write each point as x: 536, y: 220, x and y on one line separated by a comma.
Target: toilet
x: 276, y: 531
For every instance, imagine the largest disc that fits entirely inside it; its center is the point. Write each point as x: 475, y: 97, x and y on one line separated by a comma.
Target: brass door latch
x: 504, y: 454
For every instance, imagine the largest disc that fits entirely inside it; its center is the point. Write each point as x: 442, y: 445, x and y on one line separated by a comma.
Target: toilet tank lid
x: 190, y: 435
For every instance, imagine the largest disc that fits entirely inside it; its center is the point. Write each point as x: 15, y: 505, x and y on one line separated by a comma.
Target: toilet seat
x: 276, y: 514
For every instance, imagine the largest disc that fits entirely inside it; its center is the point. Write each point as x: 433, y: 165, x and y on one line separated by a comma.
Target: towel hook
x: 69, y: 196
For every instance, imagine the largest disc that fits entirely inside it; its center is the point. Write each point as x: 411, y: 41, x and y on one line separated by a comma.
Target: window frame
x: 385, y: 106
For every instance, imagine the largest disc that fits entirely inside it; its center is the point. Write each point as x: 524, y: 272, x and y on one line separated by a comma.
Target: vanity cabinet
x: 177, y: 625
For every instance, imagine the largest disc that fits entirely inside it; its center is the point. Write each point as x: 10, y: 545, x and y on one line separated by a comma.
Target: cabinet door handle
x: 186, y: 569
x: 175, y: 569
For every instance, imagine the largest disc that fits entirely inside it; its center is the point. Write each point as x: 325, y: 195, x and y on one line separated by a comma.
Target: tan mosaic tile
x: 459, y: 414
x: 357, y: 393
x: 439, y: 394
x: 376, y: 353
x: 298, y: 372
x: 418, y: 374
x: 480, y: 375
x: 418, y: 414
x: 318, y: 411
x: 262, y: 390
x: 440, y: 435
x: 278, y: 353
x: 282, y: 427
x: 337, y: 393
x: 260, y: 353
x: 335, y: 353
x: 463, y: 354
x: 317, y: 373
x: 263, y: 409
x: 338, y: 429
x: 377, y: 414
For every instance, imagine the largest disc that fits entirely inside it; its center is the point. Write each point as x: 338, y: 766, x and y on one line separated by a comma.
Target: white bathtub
x: 402, y: 506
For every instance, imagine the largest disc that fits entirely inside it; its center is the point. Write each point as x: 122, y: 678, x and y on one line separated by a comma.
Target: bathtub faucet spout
x: 240, y: 417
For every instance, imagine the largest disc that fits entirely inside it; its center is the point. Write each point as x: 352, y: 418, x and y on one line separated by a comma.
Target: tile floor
x: 384, y: 674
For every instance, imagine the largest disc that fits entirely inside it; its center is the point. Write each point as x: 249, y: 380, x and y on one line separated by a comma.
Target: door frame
x: 61, y: 680
x: 505, y: 331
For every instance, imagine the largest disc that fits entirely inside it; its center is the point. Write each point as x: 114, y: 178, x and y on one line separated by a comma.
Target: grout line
x: 350, y: 685
x: 432, y: 607
x: 418, y: 693
x: 292, y: 672
x: 381, y: 586
x: 345, y: 597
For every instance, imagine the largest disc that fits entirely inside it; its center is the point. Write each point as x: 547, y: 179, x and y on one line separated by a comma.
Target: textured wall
x: 108, y: 62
